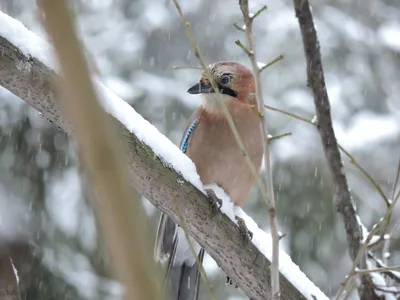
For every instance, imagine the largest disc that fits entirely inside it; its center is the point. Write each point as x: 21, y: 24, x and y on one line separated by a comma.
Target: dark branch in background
x: 342, y: 197
x: 161, y: 185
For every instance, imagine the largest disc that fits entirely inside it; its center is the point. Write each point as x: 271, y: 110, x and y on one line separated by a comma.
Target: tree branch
x: 33, y: 82
x: 342, y: 197
x: 270, y: 199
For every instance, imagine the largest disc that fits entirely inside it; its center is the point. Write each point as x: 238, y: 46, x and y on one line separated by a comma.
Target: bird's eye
x: 225, y: 79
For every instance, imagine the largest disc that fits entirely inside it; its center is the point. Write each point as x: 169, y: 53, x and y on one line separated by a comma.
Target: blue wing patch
x: 185, y: 141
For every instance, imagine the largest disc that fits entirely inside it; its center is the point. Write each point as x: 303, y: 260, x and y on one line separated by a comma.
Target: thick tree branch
x: 33, y: 82
x: 342, y: 197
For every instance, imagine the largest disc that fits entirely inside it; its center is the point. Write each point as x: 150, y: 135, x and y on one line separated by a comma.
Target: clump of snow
x: 28, y: 42
x: 260, y: 65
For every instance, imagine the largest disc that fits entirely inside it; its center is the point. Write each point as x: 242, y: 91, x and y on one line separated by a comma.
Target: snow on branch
x: 157, y: 169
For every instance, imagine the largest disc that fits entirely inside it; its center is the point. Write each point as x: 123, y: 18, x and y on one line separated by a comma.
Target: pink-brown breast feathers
x: 217, y: 157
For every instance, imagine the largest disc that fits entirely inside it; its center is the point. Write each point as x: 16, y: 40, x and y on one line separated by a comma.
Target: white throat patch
x: 210, y: 101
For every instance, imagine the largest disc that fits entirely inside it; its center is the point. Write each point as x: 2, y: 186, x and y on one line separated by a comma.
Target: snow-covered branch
x: 158, y: 170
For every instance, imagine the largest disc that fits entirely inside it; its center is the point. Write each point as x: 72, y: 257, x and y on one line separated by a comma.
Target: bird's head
x: 235, y: 83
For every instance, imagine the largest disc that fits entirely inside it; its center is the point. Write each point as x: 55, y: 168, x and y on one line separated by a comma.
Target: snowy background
x: 134, y: 45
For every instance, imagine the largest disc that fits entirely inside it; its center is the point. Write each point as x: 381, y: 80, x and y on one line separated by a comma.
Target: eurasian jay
x: 209, y: 142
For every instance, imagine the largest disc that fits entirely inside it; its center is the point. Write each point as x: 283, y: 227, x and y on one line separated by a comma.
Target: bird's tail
x: 171, y: 248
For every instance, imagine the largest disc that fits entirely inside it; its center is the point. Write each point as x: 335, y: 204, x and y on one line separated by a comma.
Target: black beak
x: 200, y: 88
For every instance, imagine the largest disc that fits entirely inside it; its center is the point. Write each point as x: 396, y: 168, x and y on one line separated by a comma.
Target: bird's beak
x: 200, y: 88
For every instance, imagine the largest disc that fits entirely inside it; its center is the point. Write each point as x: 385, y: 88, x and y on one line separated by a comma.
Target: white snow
x: 28, y: 42
x: 389, y: 35
x: 260, y: 65
x: 32, y: 45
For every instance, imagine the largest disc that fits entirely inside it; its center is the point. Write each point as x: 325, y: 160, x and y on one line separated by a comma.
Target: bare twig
x: 396, y: 181
x: 239, y: 43
x: 380, y: 270
x: 270, y: 199
x: 277, y: 137
x: 236, y: 25
x: 289, y: 114
x: 258, y: 12
x: 121, y: 215
x: 187, y: 67
x: 274, y: 61
x: 351, y: 289
x: 343, y: 199
x: 366, y: 174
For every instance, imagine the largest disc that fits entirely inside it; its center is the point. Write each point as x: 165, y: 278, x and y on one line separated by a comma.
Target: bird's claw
x: 216, y: 203
x: 247, y: 234
x: 229, y: 281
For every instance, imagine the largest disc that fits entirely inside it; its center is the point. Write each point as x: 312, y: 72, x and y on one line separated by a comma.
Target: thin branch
x: 279, y: 136
x: 351, y: 289
x: 396, y: 181
x: 187, y: 67
x: 258, y: 12
x: 289, y: 114
x: 123, y: 220
x: 270, y: 199
x: 366, y: 174
x: 239, y: 43
x: 378, y: 270
x: 342, y: 199
x: 240, y: 28
x: 279, y: 58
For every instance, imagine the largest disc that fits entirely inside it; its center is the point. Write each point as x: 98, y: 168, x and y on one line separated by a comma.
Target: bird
x: 208, y: 141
